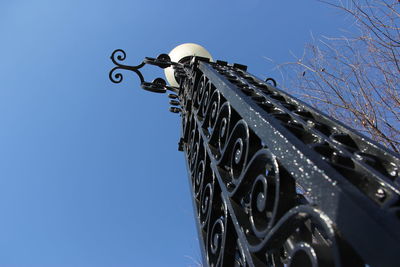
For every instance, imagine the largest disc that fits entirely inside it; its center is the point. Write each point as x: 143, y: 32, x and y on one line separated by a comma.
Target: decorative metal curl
x: 271, y: 81
x: 120, y: 55
x: 157, y: 86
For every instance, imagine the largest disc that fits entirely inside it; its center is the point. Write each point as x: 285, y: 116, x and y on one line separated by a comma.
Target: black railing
x: 276, y: 182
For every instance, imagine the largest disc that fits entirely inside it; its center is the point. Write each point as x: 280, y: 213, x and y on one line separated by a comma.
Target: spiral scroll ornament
x: 158, y: 85
x: 117, y: 57
x: 217, y: 231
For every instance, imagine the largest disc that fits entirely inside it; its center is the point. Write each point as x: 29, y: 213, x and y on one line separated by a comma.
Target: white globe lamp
x: 181, y: 53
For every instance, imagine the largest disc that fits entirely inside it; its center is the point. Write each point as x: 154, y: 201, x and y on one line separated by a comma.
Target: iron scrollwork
x: 158, y: 85
x: 276, y: 182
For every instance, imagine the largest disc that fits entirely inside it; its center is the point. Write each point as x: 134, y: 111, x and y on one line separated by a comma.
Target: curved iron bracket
x: 158, y: 85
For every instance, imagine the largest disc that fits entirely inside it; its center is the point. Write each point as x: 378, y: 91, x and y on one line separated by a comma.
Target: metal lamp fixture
x: 275, y: 182
x: 183, y: 53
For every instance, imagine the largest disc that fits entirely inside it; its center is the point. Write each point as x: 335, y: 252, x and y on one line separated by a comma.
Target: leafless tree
x: 356, y: 78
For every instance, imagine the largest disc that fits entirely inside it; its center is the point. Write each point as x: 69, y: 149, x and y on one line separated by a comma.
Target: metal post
x: 274, y: 181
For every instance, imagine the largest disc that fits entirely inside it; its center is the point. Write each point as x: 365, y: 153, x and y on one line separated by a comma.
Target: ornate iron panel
x: 278, y: 183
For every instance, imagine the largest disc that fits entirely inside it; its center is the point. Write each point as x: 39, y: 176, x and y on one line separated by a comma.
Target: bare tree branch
x: 356, y: 77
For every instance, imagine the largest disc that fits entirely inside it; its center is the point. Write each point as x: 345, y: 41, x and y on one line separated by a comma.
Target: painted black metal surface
x: 278, y: 183
x: 158, y: 85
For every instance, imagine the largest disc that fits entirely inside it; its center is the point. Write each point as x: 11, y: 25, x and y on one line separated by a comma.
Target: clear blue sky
x: 90, y: 174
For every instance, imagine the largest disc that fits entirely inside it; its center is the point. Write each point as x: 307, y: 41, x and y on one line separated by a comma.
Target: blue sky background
x: 90, y: 174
